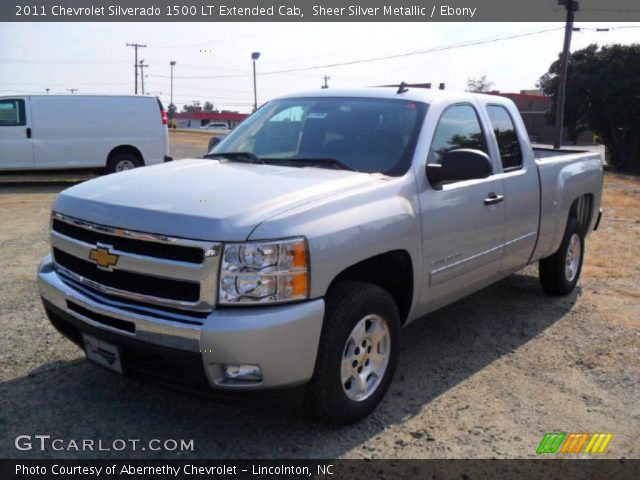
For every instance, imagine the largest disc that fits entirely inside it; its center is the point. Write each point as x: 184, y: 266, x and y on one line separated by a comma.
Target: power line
x: 192, y: 45
x: 60, y: 62
x: 386, y: 57
x: 63, y: 84
x: 199, y: 89
x: 603, y: 29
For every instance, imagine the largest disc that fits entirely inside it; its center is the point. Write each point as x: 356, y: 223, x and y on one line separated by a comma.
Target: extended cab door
x: 16, y: 146
x: 521, y: 185
x: 462, y: 223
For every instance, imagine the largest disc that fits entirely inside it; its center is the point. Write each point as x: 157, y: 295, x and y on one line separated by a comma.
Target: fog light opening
x: 250, y: 373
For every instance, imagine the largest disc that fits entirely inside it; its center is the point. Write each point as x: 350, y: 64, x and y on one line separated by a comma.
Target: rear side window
x: 458, y: 127
x: 506, y: 136
x: 12, y: 113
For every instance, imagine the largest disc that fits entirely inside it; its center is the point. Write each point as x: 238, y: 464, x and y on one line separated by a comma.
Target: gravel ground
x: 483, y: 378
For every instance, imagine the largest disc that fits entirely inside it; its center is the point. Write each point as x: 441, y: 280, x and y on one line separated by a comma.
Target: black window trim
x: 22, y: 114
x: 508, y: 169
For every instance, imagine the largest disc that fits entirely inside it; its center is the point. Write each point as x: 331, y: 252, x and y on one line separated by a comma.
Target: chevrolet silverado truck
x: 291, y: 255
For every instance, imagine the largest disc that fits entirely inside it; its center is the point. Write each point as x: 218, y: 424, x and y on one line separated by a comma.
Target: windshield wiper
x: 246, y: 157
x: 313, y: 162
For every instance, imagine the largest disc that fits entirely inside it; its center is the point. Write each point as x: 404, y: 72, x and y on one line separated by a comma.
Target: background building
x: 201, y: 118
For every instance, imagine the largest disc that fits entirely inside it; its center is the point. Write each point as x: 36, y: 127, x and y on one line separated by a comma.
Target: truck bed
x: 546, y: 151
x: 565, y: 174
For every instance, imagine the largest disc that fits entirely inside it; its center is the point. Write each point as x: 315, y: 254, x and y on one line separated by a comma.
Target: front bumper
x: 282, y: 340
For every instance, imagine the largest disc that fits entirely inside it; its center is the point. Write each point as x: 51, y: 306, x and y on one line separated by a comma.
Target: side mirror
x: 458, y: 165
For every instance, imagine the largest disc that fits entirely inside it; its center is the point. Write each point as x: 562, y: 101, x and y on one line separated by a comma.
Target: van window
x: 12, y: 113
x: 506, y: 136
x: 458, y: 127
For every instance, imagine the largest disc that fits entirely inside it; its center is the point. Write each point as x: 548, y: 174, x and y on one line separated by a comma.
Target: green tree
x: 207, y: 107
x: 602, y: 95
x: 480, y: 84
x: 194, y: 107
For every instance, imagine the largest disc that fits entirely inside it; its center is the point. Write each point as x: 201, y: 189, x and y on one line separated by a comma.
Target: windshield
x: 362, y: 134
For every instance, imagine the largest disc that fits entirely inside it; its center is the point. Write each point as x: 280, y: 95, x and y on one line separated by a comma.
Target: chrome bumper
x: 283, y: 340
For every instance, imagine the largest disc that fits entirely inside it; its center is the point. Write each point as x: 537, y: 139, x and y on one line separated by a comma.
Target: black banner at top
x: 314, y: 11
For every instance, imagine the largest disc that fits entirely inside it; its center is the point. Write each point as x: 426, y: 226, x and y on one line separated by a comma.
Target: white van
x: 43, y: 132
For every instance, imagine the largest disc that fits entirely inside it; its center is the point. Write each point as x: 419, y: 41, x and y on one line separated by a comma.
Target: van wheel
x: 357, y: 355
x: 559, y: 273
x: 123, y: 161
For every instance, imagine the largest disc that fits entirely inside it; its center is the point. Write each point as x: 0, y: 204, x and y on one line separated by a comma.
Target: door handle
x: 28, y: 132
x: 492, y: 199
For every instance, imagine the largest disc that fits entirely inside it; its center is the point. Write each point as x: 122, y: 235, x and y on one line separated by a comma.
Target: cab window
x: 458, y: 127
x: 506, y: 136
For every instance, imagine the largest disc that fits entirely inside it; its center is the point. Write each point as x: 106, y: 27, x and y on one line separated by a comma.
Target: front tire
x: 358, y: 353
x: 560, y: 272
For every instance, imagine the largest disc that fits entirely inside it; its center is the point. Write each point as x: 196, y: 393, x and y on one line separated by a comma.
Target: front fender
x: 352, y: 227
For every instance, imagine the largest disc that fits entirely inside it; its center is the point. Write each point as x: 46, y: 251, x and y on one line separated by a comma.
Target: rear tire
x: 560, y: 272
x: 121, y: 162
x: 358, y: 353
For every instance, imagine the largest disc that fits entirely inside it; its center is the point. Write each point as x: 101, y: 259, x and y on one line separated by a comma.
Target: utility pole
x: 71, y: 90
x: 135, y: 63
x: 142, y: 66
x: 255, y: 56
x: 326, y: 79
x: 570, y: 6
x: 171, y: 106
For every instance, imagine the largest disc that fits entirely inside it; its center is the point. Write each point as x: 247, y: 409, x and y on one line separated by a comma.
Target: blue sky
x: 93, y: 57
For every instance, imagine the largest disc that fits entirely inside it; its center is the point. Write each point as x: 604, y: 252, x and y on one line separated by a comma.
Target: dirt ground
x: 485, y: 377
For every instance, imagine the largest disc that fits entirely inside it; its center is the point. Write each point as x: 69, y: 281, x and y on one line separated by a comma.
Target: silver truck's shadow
x: 77, y: 400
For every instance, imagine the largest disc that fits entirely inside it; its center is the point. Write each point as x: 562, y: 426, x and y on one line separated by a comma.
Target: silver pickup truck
x: 294, y: 252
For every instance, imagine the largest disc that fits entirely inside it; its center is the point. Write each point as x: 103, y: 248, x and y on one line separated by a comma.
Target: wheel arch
x: 124, y: 149
x: 392, y: 271
x: 582, y: 210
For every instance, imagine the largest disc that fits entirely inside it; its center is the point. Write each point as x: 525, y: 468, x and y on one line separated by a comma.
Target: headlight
x: 264, y: 272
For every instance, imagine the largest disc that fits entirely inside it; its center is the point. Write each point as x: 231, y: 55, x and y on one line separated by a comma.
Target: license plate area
x: 103, y: 353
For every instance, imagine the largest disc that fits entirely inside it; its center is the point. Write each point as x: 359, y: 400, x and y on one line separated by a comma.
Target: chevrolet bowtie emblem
x: 103, y: 257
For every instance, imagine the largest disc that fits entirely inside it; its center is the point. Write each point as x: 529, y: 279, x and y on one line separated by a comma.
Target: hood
x: 201, y: 199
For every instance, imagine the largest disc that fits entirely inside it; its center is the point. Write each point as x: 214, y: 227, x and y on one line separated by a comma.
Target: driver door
x: 463, y: 223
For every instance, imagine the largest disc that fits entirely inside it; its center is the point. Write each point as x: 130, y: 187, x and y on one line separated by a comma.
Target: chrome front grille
x: 147, y: 268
